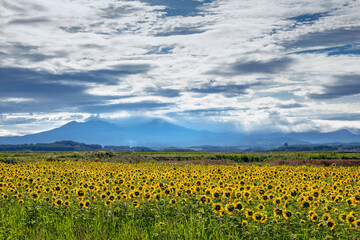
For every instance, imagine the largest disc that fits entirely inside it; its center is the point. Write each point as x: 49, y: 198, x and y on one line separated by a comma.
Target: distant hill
x: 161, y: 134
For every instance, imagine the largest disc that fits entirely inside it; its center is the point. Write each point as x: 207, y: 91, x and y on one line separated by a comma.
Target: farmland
x: 109, y: 195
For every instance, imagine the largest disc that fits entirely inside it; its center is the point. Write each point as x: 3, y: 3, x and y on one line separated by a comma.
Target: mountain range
x: 159, y: 133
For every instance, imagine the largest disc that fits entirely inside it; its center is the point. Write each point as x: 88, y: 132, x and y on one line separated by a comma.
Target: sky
x: 218, y: 65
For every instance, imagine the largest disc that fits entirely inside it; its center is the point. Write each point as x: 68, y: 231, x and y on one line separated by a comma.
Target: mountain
x: 162, y: 134
x: 154, y: 133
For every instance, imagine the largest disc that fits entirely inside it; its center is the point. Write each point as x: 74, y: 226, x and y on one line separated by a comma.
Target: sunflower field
x: 99, y: 200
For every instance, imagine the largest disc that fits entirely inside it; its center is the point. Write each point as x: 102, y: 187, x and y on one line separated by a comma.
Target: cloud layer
x: 209, y: 64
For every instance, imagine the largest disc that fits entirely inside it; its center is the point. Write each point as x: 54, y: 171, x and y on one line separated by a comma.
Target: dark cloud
x: 137, y: 106
x: 95, y: 46
x: 290, y: 105
x: 251, y: 67
x: 17, y: 120
x: 210, y: 111
x: 21, y: 7
x: 113, y: 11
x: 180, y: 31
x: 341, y: 116
x: 164, y: 92
x: 349, y: 49
x: 346, y: 85
x: 333, y: 37
x: 73, y: 29
x: 104, y: 76
x: 231, y: 90
x: 52, y: 92
x: 30, y: 52
x: 29, y: 21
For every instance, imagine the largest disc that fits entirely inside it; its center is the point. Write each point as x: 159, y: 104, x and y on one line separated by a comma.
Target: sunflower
x: 34, y: 196
x: 87, y: 203
x: 247, y: 194
x: 330, y: 224
x: 264, y: 218
x: 357, y: 223
x: 227, y: 194
x: 81, y: 204
x: 67, y: 203
x: 287, y: 214
x: 314, y: 217
x: 305, y: 204
x: 218, y: 208
x: 57, y: 188
x: 216, y: 194
x: 277, y: 201
x: 157, y: 197
x: 80, y: 193
x: 135, y: 203
x: 278, y: 213
x: 107, y: 203
x: 265, y: 198
x: 238, y: 206
x: 103, y: 196
x: 146, y: 196
x: 202, y: 199
x: 244, y: 223
x: 21, y: 201
x: 350, y: 201
x: 356, y: 197
x: 261, y: 207
x: 172, y: 201
x: 342, y: 217
x: 326, y: 217
x: 230, y: 208
x: 58, y: 201
x: 111, y: 197
x: 249, y: 213
x: 257, y: 216
x: 350, y: 218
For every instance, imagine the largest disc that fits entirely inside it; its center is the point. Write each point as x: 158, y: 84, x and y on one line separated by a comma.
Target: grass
x: 181, y: 201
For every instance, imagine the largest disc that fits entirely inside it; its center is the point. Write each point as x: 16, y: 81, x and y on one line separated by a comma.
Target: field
x: 106, y: 195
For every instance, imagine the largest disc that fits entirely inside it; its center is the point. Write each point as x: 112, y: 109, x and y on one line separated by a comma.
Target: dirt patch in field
x: 316, y: 162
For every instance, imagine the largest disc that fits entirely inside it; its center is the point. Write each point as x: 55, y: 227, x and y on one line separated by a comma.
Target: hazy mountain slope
x: 159, y: 133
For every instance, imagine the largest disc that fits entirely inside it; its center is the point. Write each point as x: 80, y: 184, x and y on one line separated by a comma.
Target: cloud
x: 329, y: 37
x: 346, y: 85
x: 157, y: 56
x: 29, y: 21
x: 229, y: 90
x: 135, y: 106
x: 353, y: 49
x: 180, y: 31
x: 290, y: 105
x: 182, y: 8
x: 52, y: 92
x: 308, y: 18
x: 164, y: 92
x: 118, y: 11
x: 253, y: 67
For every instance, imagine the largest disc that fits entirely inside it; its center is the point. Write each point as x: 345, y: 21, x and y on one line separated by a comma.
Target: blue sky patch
x: 308, y: 18
x: 179, y: 7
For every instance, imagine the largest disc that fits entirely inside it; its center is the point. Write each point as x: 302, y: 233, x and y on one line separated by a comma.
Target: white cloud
x: 62, y: 36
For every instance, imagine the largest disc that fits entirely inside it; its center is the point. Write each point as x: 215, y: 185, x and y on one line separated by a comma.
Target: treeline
x: 56, y: 146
